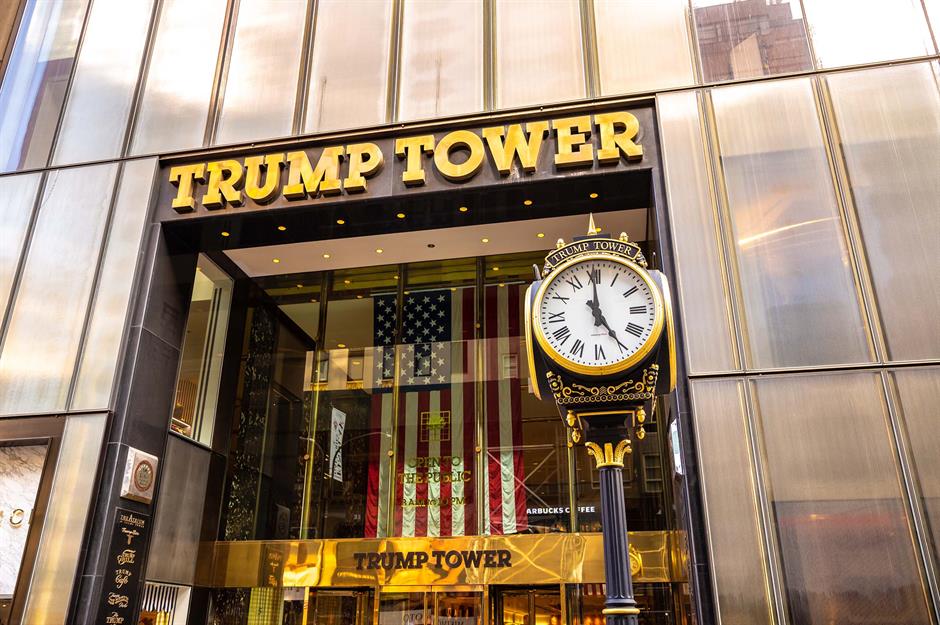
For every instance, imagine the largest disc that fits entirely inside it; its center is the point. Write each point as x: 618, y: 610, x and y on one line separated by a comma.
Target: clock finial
x: 592, y: 230
x: 560, y: 243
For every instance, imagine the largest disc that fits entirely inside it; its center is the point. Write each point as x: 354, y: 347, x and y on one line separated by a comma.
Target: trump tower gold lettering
x: 456, y: 157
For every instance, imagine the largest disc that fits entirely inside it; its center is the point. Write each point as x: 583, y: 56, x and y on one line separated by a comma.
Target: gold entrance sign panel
x: 463, y: 560
x: 395, y: 165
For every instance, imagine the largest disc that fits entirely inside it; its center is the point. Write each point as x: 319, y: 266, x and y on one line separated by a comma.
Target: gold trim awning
x: 522, y: 559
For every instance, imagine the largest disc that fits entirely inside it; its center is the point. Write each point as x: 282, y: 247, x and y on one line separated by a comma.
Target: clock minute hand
x: 598, y: 315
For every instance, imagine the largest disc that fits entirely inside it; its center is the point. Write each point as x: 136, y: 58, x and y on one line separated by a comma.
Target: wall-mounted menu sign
x: 123, y: 575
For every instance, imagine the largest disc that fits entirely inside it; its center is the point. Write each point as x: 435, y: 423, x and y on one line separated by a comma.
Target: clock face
x: 597, y: 314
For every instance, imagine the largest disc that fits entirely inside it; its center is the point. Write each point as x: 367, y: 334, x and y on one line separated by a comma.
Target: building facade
x: 262, y: 348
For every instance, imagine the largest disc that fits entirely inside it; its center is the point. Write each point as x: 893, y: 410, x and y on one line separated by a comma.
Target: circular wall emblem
x: 143, y: 475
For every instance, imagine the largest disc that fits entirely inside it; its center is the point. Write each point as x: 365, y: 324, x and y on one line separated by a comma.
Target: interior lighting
x: 495, y: 268
x: 313, y: 301
x: 379, y: 250
x: 225, y: 233
x: 463, y: 209
x: 341, y: 345
x: 358, y: 297
x: 501, y: 284
x: 341, y: 221
x: 326, y: 256
x: 400, y: 215
x: 282, y: 228
x: 527, y: 202
x: 276, y: 260
x: 300, y: 286
x: 540, y: 235
x: 593, y: 196
x: 347, y: 281
x: 485, y: 240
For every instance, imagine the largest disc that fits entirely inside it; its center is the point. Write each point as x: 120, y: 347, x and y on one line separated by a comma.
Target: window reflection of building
x: 750, y: 38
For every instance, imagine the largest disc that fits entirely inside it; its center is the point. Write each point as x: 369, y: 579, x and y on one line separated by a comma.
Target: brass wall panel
x: 534, y: 558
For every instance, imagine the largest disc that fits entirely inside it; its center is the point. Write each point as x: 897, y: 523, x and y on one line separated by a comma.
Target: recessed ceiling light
x: 341, y: 221
x: 300, y: 286
x: 400, y: 215
x: 282, y: 228
x: 358, y: 297
x: 432, y: 245
x: 463, y: 209
x: 485, y: 240
x: 495, y: 268
x: 396, y: 277
x: 501, y: 284
x: 453, y: 288
x: 540, y: 235
x: 527, y: 202
x: 326, y: 256
x: 313, y: 301
x: 356, y: 363
x: 593, y: 196
x: 379, y: 250
x: 347, y: 281
x: 275, y: 260
x: 224, y: 233
x: 341, y: 345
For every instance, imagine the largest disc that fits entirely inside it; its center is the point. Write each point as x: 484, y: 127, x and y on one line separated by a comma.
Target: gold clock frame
x: 617, y: 367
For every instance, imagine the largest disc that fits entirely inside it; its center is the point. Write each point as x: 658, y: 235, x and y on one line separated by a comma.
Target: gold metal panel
x: 532, y: 558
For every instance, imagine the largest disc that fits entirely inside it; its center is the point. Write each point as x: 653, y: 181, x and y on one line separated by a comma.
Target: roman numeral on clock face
x: 562, y: 334
x: 638, y: 310
x: 556, y: 317
x: 578, y: 348
x: 630, y: 291
x: 598, y: 352
x: 594, y: 276
x: 574, y: 282
x: 634, y: 329
x: 561, y: 299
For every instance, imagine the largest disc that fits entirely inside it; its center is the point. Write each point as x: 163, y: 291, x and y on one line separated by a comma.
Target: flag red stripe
x: 516, y: 401
x: 399, y: 464
x: 447, y: 468
x: 469, y: 411
x: 491, y: 331
x: 422, y: 492
x: 375, y: 448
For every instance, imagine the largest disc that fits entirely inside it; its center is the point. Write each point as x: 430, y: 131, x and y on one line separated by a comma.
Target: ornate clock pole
x: 600, y: 342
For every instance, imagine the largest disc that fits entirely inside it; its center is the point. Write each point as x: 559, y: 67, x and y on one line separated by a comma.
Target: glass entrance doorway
x: 438, y: 607
x: 526, y: 606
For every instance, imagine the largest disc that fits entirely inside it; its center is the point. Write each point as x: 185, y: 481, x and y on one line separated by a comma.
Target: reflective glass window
x: 95, y: 119
x: 752, y: 38
x: 348, y: 85
x: 800, y: 301
x: 197, y: 385
x: 174, y: 102
x: 889, y: 126
x: 35, y: 80
x: 21, y: 469
x: 933, y: 14
x: 436, y: 470
x: 848, y: 32
x: 656, y: 56
x: 261, y: 87
x: 919, y: 392
x: 19, y: 195
x: 42, y: 340
x: 441, y: 58
x: 531, y: 67
x: 108, y: 314
x: 526, y: 463
x: 734, y: 535
x: 702, y: 291
x: 835, y: 493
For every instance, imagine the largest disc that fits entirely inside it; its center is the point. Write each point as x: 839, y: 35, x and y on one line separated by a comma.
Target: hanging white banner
x: 337, y: 428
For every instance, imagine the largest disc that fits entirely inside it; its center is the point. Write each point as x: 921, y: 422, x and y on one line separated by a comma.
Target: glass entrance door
x: 339, y: 607
x: 438, y: 607
x: 527, y: 606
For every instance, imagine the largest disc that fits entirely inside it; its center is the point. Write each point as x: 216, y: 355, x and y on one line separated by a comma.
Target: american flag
x: 434, y: 461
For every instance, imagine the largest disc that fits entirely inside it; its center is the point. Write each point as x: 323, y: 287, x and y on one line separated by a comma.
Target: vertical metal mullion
x: 325, y: 282
x: 142, y: 72
x: 724, y: 230
x: 930, y: 27
x: 767, y: 523
x: 68, y: 85
x: 394, y: 65
x: 489, y: 55
x: 306, y: 62
x: 592, y: 85
x: 217, y: 96
x: 912, y: 493
x: 850, y: 228
x: 480, y: 448
x: 7, y: 313
x: 809, y: 36
x: 396, y: 397
x: 698, y: 69
x: 95, y: 284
